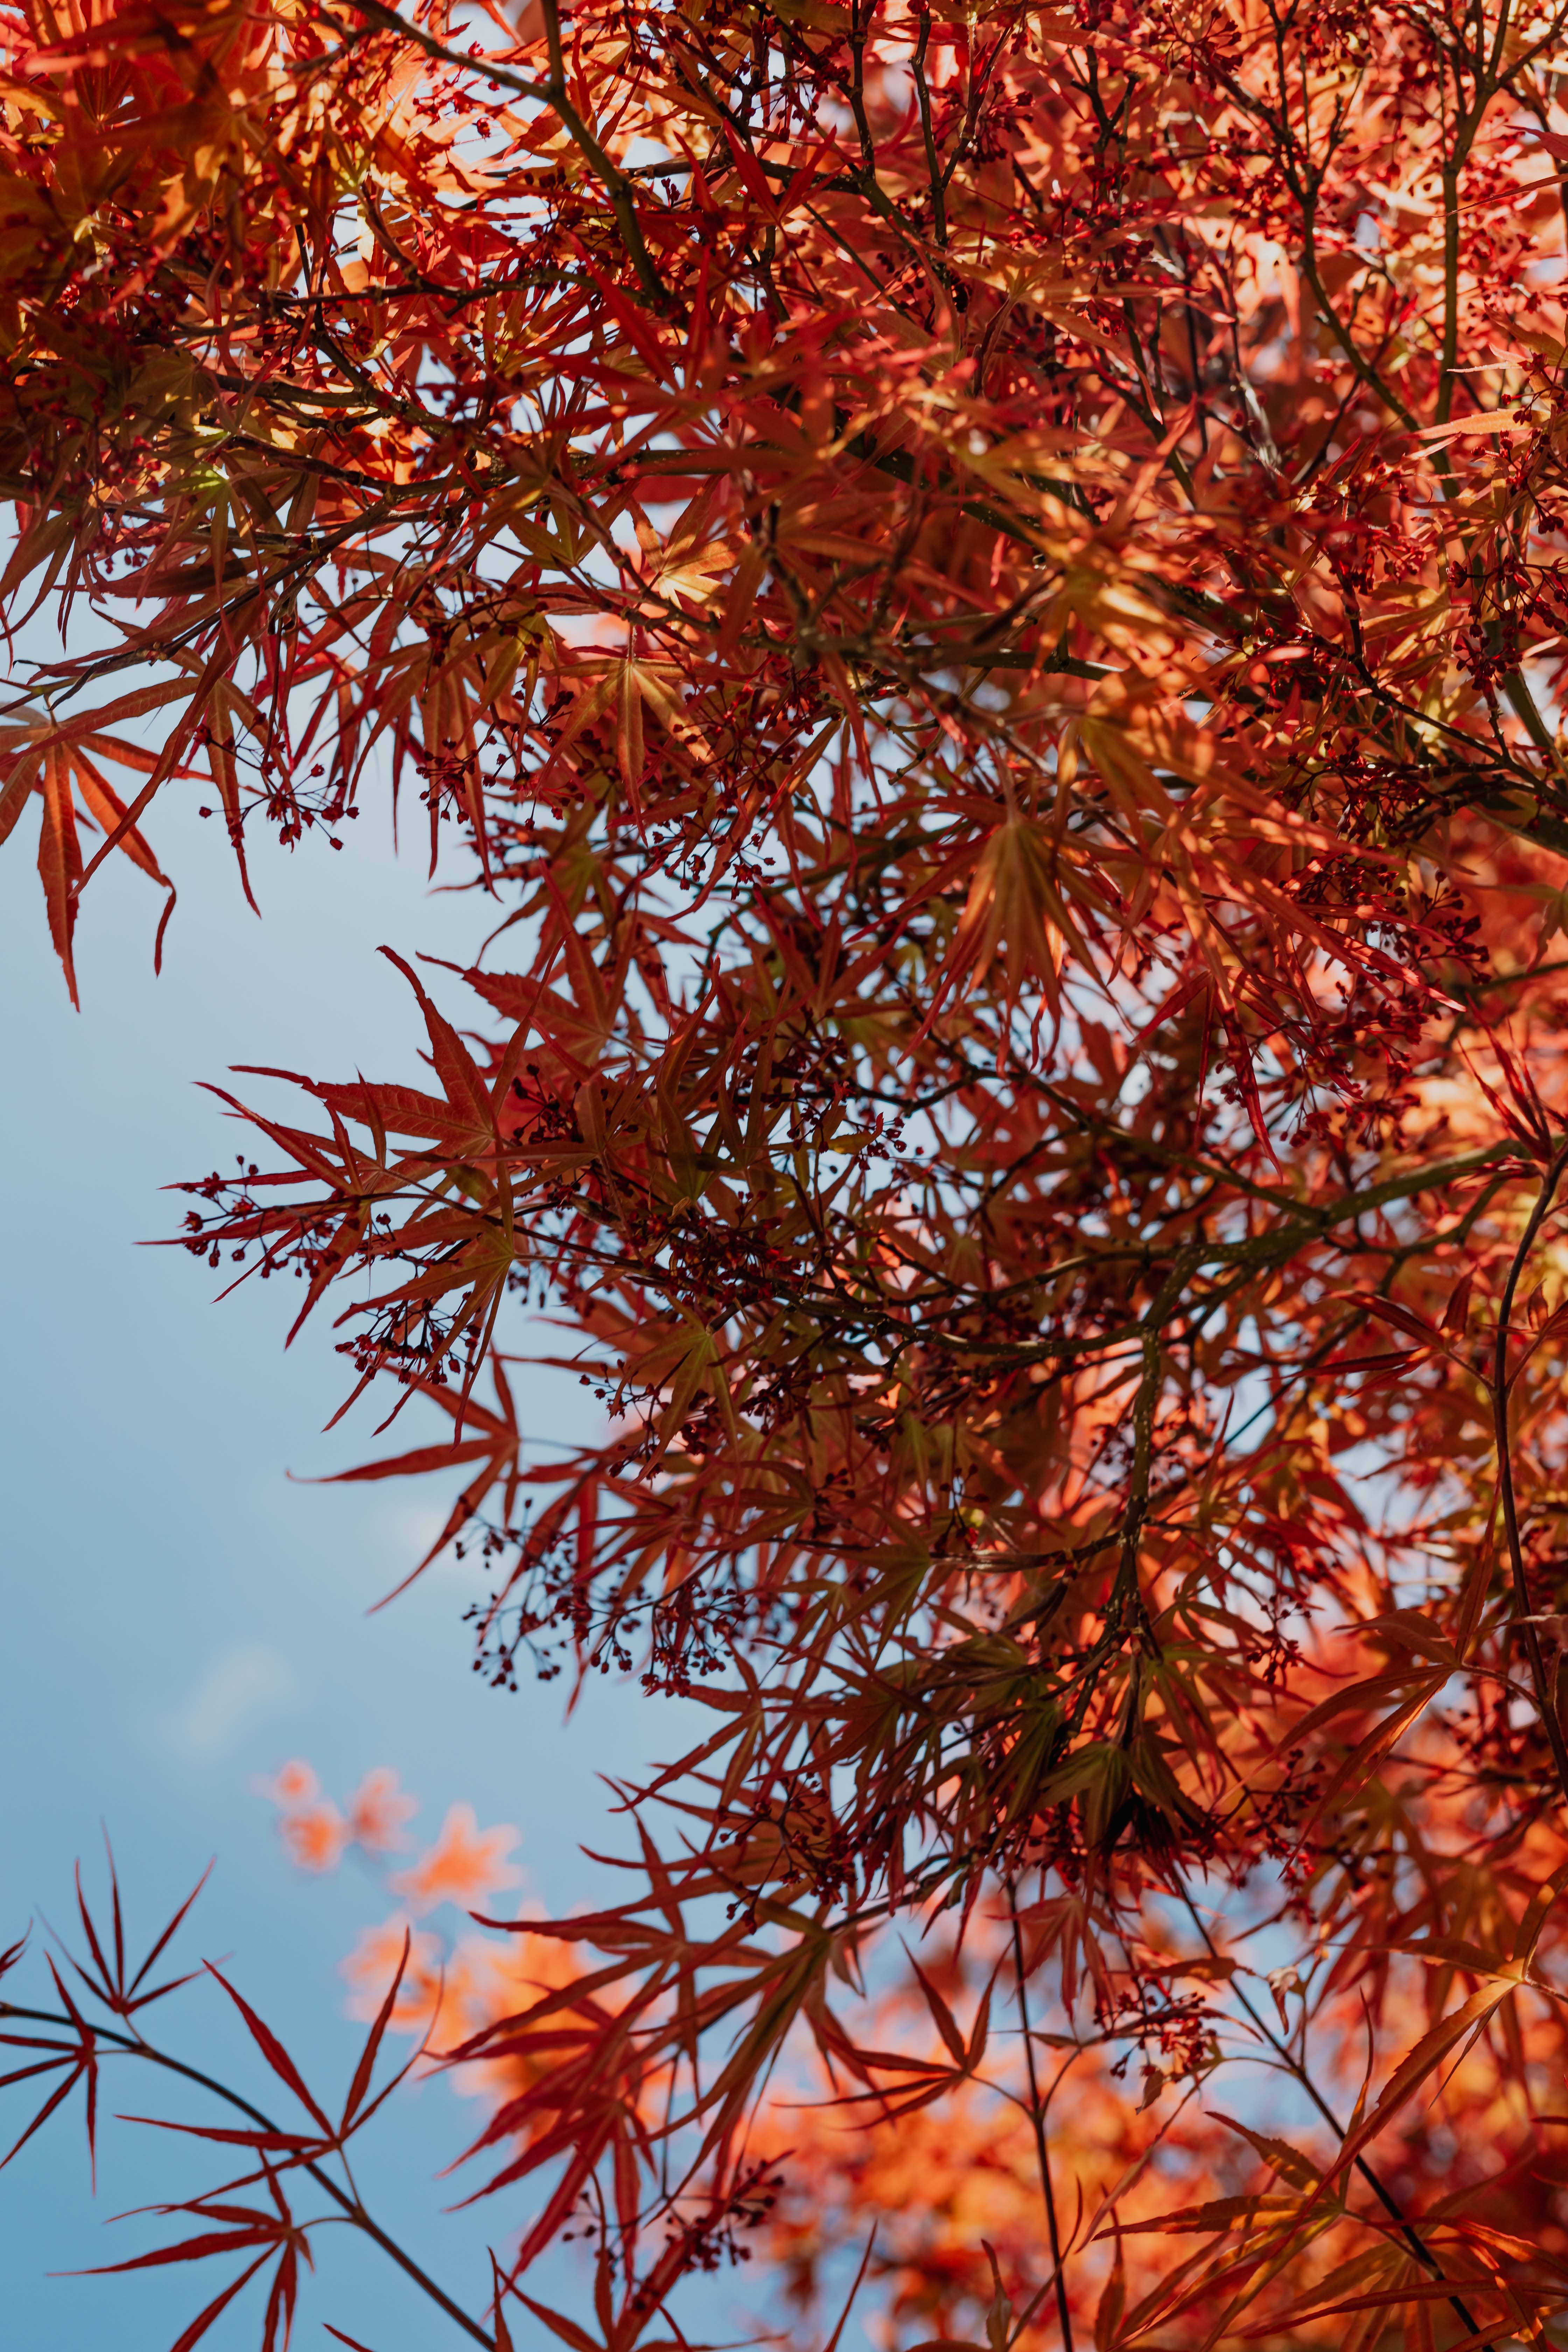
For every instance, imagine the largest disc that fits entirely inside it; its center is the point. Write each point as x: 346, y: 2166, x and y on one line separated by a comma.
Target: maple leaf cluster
x: 978, y: 598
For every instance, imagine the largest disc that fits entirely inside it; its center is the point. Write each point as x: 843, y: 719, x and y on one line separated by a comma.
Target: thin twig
x: 1524, y: 1609
x: 134, y: 2047
x: 1386, y: 2196
x: 1037, y: 2117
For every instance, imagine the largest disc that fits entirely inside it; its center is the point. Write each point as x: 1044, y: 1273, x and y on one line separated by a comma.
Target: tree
x: 979, y: 598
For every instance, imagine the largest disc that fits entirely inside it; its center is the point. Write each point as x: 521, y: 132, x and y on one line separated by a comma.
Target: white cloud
x: 405, y: 1533
x: 243, y: 1686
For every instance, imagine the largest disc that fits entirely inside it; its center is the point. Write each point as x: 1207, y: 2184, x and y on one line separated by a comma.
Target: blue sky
x: 181, y: 1616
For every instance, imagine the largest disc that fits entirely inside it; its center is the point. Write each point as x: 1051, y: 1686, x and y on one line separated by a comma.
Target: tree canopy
x: 978, y: 597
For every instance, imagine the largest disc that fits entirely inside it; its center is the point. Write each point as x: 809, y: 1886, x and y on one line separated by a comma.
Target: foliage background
x: 1349, y: 607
